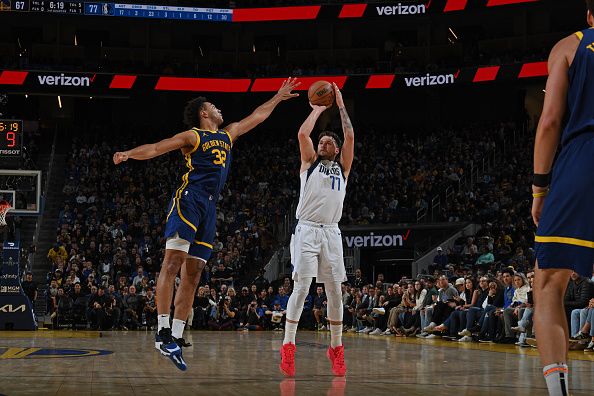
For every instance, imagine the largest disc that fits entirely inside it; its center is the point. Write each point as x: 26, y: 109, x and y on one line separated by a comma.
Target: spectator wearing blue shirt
x: 319, y: 307
x: 508, y: 283
x: 440, y: 259
x: 282, y: 298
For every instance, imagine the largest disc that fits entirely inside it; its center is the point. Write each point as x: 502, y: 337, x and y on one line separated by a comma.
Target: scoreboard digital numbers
x: 119, y: 10
x: 45, y: 6
x: 11, y: 138
x: 159, y: 12
x: 58, y: 7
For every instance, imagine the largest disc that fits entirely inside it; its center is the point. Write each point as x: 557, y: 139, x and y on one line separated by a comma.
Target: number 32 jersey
x: 208, y: 163
x: 323, y: 188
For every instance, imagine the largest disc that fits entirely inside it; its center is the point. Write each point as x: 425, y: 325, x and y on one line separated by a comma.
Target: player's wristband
x: 540, y: 194
x: 541, y: 180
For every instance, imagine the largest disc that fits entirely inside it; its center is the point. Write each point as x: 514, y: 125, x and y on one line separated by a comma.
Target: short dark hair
x: 590, y: 4
x: 509, y: 271
x: 333, y: 136
x: 191, y: 117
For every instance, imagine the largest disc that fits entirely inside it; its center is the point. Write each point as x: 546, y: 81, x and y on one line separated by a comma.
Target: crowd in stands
x: 112, y: 222
x: 110, y: 231
x: 109, y: 242
x: 409, y: 171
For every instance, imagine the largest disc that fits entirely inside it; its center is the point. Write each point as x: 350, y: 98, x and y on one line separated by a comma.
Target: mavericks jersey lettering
x: 580, y: 96
x: 323, y: 188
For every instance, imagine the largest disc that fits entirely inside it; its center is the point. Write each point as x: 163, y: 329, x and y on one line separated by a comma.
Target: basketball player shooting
x: 562, y: 206
x: 316, y: 245
x: 191, y: 214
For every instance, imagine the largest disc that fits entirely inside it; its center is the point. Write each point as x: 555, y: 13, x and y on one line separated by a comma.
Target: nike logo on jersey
x: 186, y: 193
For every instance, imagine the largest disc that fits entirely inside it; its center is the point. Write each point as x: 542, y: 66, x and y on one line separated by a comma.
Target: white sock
x: 335, y: 335
x: 163, y: 321
x: 177, y: 330
x: 290, y: 332
x: 557, y: 378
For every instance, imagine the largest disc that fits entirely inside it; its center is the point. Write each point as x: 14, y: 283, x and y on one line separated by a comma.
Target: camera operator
x: 224, y: 316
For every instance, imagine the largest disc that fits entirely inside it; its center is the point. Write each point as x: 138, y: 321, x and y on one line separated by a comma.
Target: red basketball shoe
x: 336, y: 356
x: 287, y: 365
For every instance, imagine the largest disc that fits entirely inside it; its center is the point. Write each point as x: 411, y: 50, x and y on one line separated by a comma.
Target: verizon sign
x: 401, y: 9
x: 372, y: 240
x: 64, y: 80
x: 430, y: 80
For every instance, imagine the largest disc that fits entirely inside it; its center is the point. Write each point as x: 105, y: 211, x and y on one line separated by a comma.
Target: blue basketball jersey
x: 209, y: 161
x: 580, y: 96
x: 191, y: 214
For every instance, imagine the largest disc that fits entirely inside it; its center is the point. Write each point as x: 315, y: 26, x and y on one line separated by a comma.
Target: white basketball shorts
x: 316, y: 251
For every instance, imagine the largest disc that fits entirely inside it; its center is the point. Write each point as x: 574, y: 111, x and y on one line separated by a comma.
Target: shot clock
x: 11, y: 138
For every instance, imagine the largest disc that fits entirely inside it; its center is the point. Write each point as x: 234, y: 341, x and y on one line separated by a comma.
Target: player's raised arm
x: 306, y: 146
x: 148, y: 151
x: 348, y: 148
x: 551, y: 120
x: 258, y: 116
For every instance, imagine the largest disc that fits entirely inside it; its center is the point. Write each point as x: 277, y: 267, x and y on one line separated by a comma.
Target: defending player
x: 563, y: 210
x: 191, y: 214
x: 316, y: 245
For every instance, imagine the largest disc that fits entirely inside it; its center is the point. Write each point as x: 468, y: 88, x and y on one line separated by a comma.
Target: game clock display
x: 11, y: 138
x: 59, y: 7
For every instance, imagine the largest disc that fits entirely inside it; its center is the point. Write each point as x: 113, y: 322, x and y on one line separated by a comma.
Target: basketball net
x: 4, y: 208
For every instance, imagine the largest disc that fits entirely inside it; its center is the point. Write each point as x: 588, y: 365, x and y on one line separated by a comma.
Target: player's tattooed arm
x: 306, y: 146
x: 261, y: 113
x: 148, y: 151
x: 348, y: 148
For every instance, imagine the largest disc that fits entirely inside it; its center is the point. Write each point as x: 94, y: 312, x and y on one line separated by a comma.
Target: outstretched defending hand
x: 289, y: 84
x: 120, y: 157
x: 338, y: 96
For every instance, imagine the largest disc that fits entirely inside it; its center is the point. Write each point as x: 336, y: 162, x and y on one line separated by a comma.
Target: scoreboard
x: 11, y: 138
x: 45, y: 6
x: 118, y: 10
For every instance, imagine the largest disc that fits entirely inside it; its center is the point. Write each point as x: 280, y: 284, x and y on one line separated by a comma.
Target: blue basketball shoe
x: 171, y: 349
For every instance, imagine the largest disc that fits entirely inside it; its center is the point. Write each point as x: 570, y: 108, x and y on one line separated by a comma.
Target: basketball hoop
x: 4, y: 208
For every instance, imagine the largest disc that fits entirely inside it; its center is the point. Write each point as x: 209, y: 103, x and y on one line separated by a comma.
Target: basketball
x: 321, y: 93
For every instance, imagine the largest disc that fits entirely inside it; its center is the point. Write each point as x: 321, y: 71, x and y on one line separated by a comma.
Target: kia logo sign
x: 9, y: 308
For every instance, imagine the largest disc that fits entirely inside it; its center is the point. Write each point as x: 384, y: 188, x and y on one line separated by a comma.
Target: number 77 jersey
x: 323, y: 188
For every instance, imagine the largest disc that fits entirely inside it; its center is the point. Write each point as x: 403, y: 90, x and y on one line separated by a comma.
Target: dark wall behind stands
x: 390, y: 109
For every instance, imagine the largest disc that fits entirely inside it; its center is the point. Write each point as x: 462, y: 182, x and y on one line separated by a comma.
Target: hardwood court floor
x: 230, y: 363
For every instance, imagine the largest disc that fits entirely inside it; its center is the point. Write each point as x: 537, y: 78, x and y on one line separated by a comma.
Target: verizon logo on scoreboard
x: 400, y: 9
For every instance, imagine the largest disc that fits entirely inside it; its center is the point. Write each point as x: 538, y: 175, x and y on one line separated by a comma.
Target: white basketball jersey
x: 323, y: 187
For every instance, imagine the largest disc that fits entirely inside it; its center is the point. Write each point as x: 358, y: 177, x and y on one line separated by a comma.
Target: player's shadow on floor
x: 337, y: 387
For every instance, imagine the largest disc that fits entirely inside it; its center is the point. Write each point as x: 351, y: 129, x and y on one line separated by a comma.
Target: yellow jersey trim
x: 564, y: 240
x: 228, y: 134
x: 197, y: 142
x: 208, y: 245
x: 179, y: 192
x: 580, y: 35
x: 207, y: 130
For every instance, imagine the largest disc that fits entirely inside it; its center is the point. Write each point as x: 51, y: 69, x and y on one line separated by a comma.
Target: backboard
x: 22, y: 189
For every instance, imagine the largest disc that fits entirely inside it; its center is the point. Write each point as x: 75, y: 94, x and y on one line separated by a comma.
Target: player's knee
x: 172, y: 265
